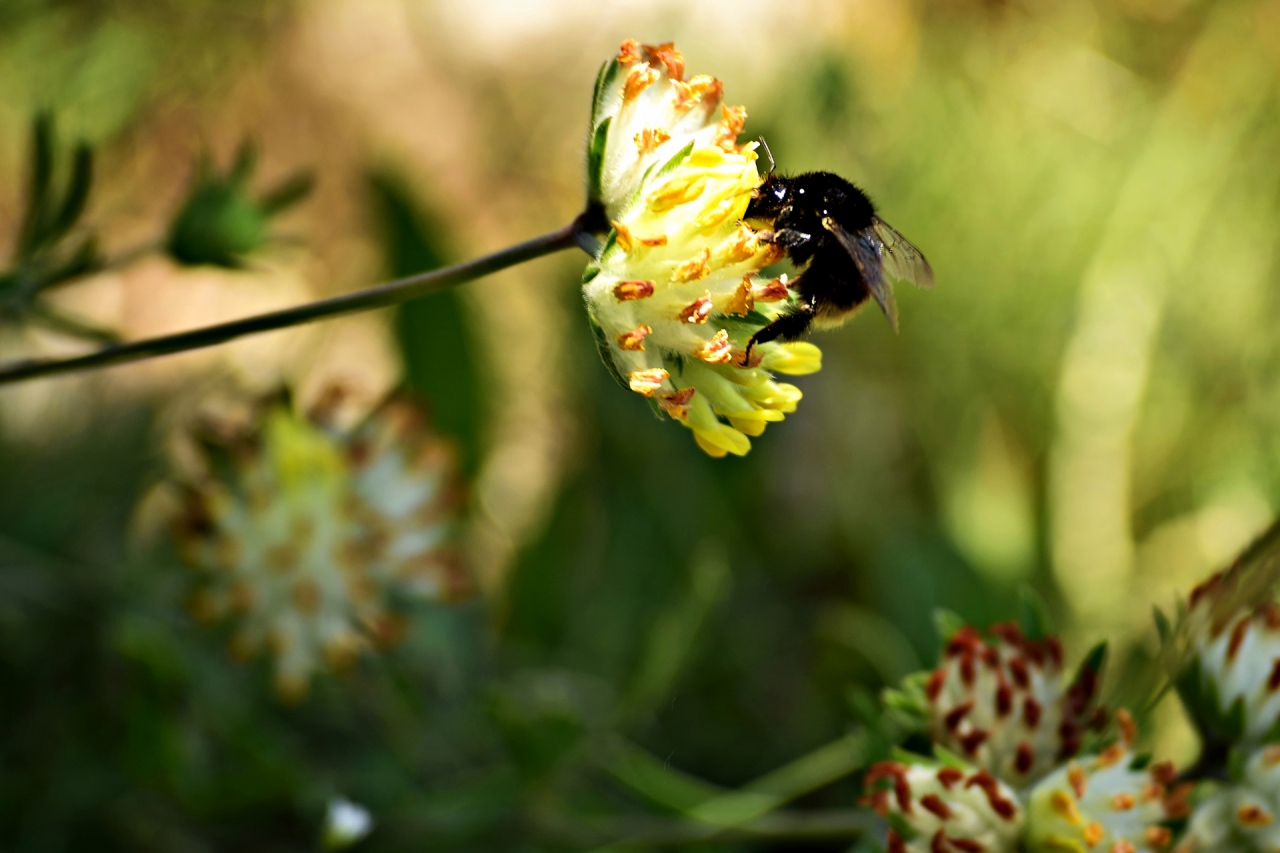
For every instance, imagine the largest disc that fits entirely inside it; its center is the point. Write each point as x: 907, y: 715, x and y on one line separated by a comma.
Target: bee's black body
x: 826, y: 222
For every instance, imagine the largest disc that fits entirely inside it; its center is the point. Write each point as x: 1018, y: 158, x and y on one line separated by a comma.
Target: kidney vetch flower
x: 676, y: 291
x: 306, y: 535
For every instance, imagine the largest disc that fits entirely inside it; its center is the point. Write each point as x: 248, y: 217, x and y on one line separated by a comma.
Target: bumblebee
x: 822, y: 220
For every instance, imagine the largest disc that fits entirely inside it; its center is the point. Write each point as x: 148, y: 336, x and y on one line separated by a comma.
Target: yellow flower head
x: 676, y: 292
x: 304, y: 533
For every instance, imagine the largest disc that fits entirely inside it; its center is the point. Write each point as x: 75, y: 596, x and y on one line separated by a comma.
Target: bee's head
x: 770, y: 198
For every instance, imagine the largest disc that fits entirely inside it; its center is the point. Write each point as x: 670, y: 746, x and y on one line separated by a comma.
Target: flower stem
x: 378, y: 296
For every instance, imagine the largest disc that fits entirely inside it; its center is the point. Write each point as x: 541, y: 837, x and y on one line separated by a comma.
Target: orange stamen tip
x: 694, y: 270
x: 650, y: 138
x: 634, y: 340
x: 640, y: 78
x: 624, y: 239
x: 629, y: 52
x: 1128, y: 729
x: 742, y: 301
x: 667, y: 54
x: 1254, y: 816
x: 1079, y: 782
x: 625, y: 291
x: 697, y: 312
x: 740, y: 358
x: 716, y: 350
x: 647, y: 381
x: 677, y: 405
x: 773, y: 291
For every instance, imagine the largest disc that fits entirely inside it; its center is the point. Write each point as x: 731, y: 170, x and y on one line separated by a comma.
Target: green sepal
x: 590, y: 272
x: 907, y: 706
x: 609, y: 242
x: 1093, y: 662
x: 947, y: 624
x: 1237, y: 760
x: 606, y: 354
x: 1033, y: 618
x: 604, y: 80
x: 950, y: 759
x: 899, y: 824
x: 1163, y: 628
x: 595, y: 159
x: 675, y: 160
x: 1236, y: 720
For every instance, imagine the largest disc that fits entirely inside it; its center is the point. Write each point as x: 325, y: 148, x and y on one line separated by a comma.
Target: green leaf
x: 674, y: 633
x: 77, y: 196
x: 1237, y: 761
x: 243, y: 167
x: 595, y: 159
x: 40, y: 188
x: 439, y: 351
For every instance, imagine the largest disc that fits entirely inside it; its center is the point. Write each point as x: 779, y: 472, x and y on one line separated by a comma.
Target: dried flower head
x: 1005, y: 702
x: 676, y: 292
x: 304, y: 534
x: 935, y: 808
x: 1105, y: 803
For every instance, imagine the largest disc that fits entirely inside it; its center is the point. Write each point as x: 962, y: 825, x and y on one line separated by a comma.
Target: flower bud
x: 1005, y: 703
x: 934, y: 808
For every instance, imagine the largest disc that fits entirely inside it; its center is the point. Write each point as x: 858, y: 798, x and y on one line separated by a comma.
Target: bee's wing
x: 866, y: 249
x: 901, y: 260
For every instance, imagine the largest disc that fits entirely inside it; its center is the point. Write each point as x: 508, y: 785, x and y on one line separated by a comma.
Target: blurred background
x: 1087, y: 405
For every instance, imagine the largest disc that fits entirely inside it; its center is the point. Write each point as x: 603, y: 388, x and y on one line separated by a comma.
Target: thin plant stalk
x: 378, y: 296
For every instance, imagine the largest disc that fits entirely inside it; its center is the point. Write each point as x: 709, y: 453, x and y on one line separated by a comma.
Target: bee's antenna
x: 769, y: 154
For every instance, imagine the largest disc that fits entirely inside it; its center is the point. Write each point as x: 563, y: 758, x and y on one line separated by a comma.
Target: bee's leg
x: 789, y: 326
x: 789, y: 238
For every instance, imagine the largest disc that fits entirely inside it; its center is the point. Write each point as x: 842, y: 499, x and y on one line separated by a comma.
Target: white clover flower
x: 1100, y: 803
x: 345, y: 823
x: 1232, y: 683
x: 940, y: 809
x: 1243, y: 817
x: 676, y: 292
x: 1007, y: 705
x: 304, y: 535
